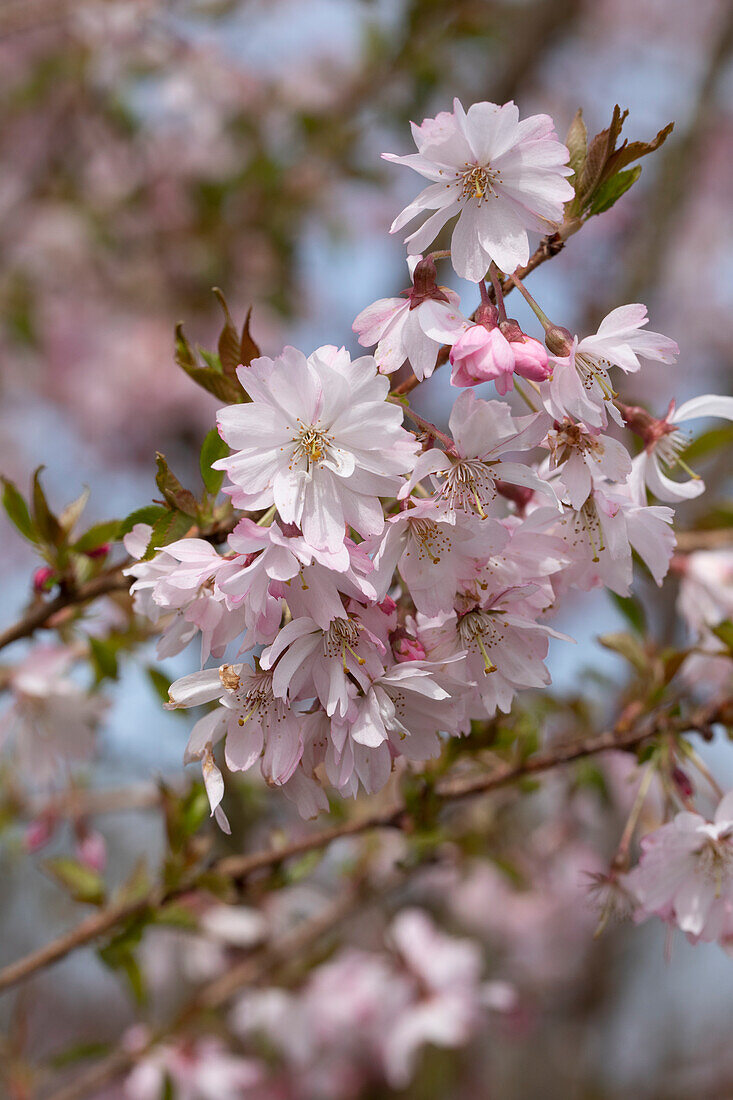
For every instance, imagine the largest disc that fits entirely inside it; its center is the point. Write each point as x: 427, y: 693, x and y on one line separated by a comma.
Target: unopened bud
x: 559, y: 340
x: 43, y: 580
x: 39, y: 832
x: 682, y: 782
x: 406, y: 648
x: 98, y: 551
x: 388, y: 606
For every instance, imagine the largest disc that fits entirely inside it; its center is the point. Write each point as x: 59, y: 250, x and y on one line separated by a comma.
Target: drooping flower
x: 685, y: 874
x: 483, y: 432
x: 402, y: 328
x: 580, y: 454
x: 253, y: 720
x: 664, y: 441
x: 501, y: 176
x: 434, y: 553
x: 580, y: 386
x: 318, y: 440
x: 494, y: 351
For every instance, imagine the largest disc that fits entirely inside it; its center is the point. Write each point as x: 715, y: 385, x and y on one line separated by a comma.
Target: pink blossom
x: 318, y: 440
x: 685, y: 874
x: 501, y: 176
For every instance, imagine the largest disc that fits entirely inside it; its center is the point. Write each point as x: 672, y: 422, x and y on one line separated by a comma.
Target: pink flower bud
x: 91, y: 850
x: 406, y: 648
x: 98, y: 551
x: 39, y: 832
x: 482, y: 355
x: 43, y: 580
x: 530, y: 359
x: 388, y: 606
x: 682, y: 782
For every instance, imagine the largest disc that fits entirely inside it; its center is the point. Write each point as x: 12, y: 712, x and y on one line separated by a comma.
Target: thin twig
x: 396, y: 815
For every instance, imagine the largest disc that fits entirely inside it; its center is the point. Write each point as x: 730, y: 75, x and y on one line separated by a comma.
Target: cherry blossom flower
x: 501, y: 648
x: 308, y: 660
x: 251, y: 717
x: 434, y: 553
x: 602, y: 533
x: 580, y: 455
x: 319, y: 440
x: 706, y: 591
x: 501, y: 176
x: 483, y: 432
x: 685, y: 874
x: 403, y: 328
x: 51, y: 721
x: 200, y: 1069
x: 664, y: 441
x: 580, y: 386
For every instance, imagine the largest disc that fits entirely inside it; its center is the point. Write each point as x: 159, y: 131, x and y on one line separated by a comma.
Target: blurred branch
x: 219, y: 992
x: 689, y: 541
x: 239, y: 868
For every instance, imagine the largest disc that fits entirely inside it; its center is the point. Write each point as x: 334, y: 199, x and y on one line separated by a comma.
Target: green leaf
x: 629, y: 648
x: 212, y: 360
x: 119, y: 954
x: 213, y: 448
x: 150, y: 514
x: 161, y: 683
x: 71, y: 514
x: 632, y: 610
x: 724, y: 631
x: 17, y: 511
x: 169, y: 528
x: 612, y: 190
x: 84, y: 884
x: 183, y: 353
x: 228, y: 339
x: 46, y: 522
x: 104, y: 658
x: 172, y: 490
x: 96, y: 536
x: 635, y: 150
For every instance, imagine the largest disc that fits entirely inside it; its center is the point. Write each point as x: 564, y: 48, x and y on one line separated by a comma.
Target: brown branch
x: 40, y: 614
x: 217, y: 993
x: 396, y: 815
x: 689, y: 541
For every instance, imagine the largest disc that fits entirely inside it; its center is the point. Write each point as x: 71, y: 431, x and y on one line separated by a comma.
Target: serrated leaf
x: 577, y: 143
x: 169, y: 528
x: 628, y: 647
x: 46, y: 522
x: 635, y: 150
x: 99, y: 534
x: 172, y: 490
x: 611, y: 191
x: 724, y: 631
x: 599, y: 150
x: 17, y: 511
x: 632, y: 610
x: 84, y: 884
x: 249, y: 349
x: 213, y: 448
x: 71, y: 514
x: 150, y: 515
x: 183, y: 353
x: 228, y: 339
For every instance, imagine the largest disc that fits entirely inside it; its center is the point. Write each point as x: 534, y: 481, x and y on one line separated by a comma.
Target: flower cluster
x: 391, y: 586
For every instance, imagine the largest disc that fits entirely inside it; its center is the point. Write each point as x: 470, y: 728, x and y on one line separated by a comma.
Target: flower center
x: 586, y: 526
x: 469, y: 486
x: 594, y: 372
x: 669, y: 448
x: 340, y: 639
x: 480, y: 631
x: 312, y: 444
x: 431, y: 538
x: 716, y: 862
x: 569, y: 437
x: 478, y: 182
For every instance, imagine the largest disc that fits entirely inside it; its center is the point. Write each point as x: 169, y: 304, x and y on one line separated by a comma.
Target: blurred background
x: 152, y: 149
